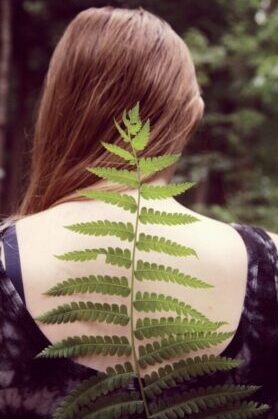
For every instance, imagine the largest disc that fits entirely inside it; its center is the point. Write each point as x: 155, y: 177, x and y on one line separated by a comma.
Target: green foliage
x: 147, y: 242
x: 122, y: 176
x: 162, y: 192
x: 94, y: 388
x: 111, y: 313
x: 105, y: 228
x: 124, y: 201
x: 86, y: 345
x: 187, y: 332
x: 181, y: 371
x: 114, y: 256
x: 151, y: 165
x: 234, y: 154
x: 160, y: 302
x: 111, y: 285
x: 155, y: 272
x: 156, y: 352
x: 151, y: 216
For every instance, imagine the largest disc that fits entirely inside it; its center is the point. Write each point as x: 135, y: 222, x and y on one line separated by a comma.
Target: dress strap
x: 11, y: 251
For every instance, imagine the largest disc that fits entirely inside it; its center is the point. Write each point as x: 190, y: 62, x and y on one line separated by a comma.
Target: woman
x: 106, y: 61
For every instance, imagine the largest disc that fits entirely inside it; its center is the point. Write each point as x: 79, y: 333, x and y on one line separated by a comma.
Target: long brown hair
x: 106, y: 60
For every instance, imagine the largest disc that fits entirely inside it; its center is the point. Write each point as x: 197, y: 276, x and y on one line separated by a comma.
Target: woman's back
x: 222, y: 262
x: 240, y: 261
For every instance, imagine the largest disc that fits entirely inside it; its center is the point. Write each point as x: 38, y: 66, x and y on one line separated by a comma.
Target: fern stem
x: 136, y: 363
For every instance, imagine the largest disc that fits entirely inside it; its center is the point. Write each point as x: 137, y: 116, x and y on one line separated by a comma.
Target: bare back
x: 222, y: 261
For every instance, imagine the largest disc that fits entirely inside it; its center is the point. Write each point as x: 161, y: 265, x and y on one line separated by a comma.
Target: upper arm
x: 274, y: 237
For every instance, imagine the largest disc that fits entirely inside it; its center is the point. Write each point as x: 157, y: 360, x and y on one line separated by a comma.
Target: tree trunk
x: 5, y: 53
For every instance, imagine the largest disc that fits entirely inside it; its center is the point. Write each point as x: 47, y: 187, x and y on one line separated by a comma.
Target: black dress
x: 32, y: 388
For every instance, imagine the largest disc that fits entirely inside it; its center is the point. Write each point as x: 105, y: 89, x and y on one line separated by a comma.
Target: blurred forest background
x: 234, y: 155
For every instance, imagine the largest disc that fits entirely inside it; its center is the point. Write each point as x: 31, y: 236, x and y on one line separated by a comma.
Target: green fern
x: 108, y: 395
x: 110, y: 285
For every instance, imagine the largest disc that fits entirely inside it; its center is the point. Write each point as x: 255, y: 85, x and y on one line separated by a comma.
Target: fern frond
x: 162, y: 192
x: 122, y: 176
x: 80, y: 255
x: 149, y: 328
x: 114, y: 394
x: 148, y: 242
x: 118, y: 256
x: 151, y: 353
x: 158, y: 302
x: 125, y: 201
x: 155, y: 272
x: 184, y: 370
x: 119, y: 151
x: 116, y: 407
x: 114, y: 256
x: 133, y: 114
x: 122, y: 132
x: 92, y: 389
x: 149, y: 165
x: 238, y: 410
x: 141, y: 139
x: 111, y: 285
x: 151, y: 216
x: 88, y: 311
x: 119, y: 229
x: 199, y: 400
x: 87, y: 345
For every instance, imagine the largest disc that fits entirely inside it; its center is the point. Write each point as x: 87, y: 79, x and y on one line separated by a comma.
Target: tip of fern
x: 69, y: 227
x: 60, y: 257
x: 39, y: 355
x: 39, y: 318
x: 49, y: 292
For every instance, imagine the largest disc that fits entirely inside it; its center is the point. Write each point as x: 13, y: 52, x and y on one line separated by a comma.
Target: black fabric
x: 13, y: 267
x: 32, y: 388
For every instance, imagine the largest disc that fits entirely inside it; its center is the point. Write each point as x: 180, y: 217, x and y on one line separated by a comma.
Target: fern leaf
x: 134, y: 124
x: 122, y: 132
x: 118, y: 256
x: 89, y: 311
x: 80, y: 255
x: 198, y: 400
x: 155, y: 352
x: 104, y: 228
x: 122, y: 176
x: 237, y: 410
x: 149, y: 165
x: 114, y: 256
x: 111, y: 285
x: 151, y: 216
x: 147, y: 243
x: 116, y: 407
x: 92, y: 389
x: 133, y: 114
x: 119, y: 151
x: 184, y: 370
x: 86, y: 345
x: 149, y: 328
x: 158, y: 302
x: 125, y: 201
x: 141, y: 139
x: 164, y: 191
x: 155, y: 272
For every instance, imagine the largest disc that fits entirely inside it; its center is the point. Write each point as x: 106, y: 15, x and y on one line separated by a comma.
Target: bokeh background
x: 233, y: 156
